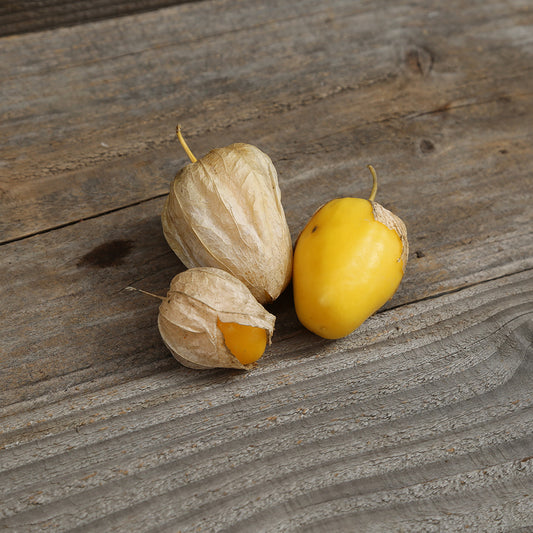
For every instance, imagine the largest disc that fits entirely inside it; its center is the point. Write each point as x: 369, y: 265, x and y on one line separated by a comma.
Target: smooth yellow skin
x: 246, y: 343
x: 346, y: 266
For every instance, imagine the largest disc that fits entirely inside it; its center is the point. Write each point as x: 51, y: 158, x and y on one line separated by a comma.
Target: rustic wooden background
x: 422, y: 420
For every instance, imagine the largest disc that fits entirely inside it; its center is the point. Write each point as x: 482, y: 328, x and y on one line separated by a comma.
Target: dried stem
x: 184, y: 145
x: 375, y: 183
x: 145, y: 292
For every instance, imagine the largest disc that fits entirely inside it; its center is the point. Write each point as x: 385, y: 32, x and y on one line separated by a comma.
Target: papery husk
x: 225, y: 211
x: 395, y: 223
x: 188, y: 317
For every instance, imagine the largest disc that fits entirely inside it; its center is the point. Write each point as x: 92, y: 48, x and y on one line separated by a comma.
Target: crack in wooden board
x: 99, y: 136
x: 77, y: 320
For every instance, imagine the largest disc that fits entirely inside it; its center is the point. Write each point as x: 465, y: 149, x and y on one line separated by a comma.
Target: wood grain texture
x: 68, y: 320
x: 437, y: 98
x: 38, y: 15
x: 422, y: 420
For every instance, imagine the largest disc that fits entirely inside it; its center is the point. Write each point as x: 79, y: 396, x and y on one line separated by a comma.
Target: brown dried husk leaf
x: 188, y: 316
x: 225, y: 211
x: 395, y: 223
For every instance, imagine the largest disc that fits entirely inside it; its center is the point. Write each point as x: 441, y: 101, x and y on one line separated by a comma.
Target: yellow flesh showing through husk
x: 246, y: 343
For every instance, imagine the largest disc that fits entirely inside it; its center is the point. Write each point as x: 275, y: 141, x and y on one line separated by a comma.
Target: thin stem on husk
x: 184, y: 144
x: 145, y: 292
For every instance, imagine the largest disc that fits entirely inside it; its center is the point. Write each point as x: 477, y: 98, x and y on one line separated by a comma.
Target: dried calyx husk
x: 199, y: 303
x: 224, y: 210
x: 396, y: 224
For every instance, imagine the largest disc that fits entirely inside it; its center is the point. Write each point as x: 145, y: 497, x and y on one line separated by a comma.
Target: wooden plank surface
x: 83, y: 325
x: 89, y: 112
x: 31, y: 15
x: 420, y: 421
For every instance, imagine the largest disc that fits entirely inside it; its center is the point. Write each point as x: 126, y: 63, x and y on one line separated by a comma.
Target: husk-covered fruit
x: 199, y: 302
x: 224, y: 210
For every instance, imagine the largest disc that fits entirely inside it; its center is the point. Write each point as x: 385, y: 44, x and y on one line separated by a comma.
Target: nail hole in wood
x: 426, y: 146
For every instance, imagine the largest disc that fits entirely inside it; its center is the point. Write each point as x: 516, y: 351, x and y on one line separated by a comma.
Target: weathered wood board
x: 27, y: 15
x: 421, y: 420
x: 66, y: 294
x: 434, y: 97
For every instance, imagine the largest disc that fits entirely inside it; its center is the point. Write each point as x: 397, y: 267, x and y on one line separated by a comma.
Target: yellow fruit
x: 348, y: 261
x: 246, y: 343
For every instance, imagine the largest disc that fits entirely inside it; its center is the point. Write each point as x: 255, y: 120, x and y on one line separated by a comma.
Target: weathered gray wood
x: 437, y: 97
x: 98, y: 418
x: 421, y: 421
x: 28, y: 15
x: 68, y: 321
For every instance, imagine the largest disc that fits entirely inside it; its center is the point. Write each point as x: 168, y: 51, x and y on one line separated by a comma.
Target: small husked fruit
x: 224, y: 211
x: 210, y: 319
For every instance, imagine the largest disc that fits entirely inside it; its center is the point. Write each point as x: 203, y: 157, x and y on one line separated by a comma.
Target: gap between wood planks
x: 456, y: 289
x: 147, y: 200
x: 447, y: 107
x: 45, y: 15
x: 89, y: 217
